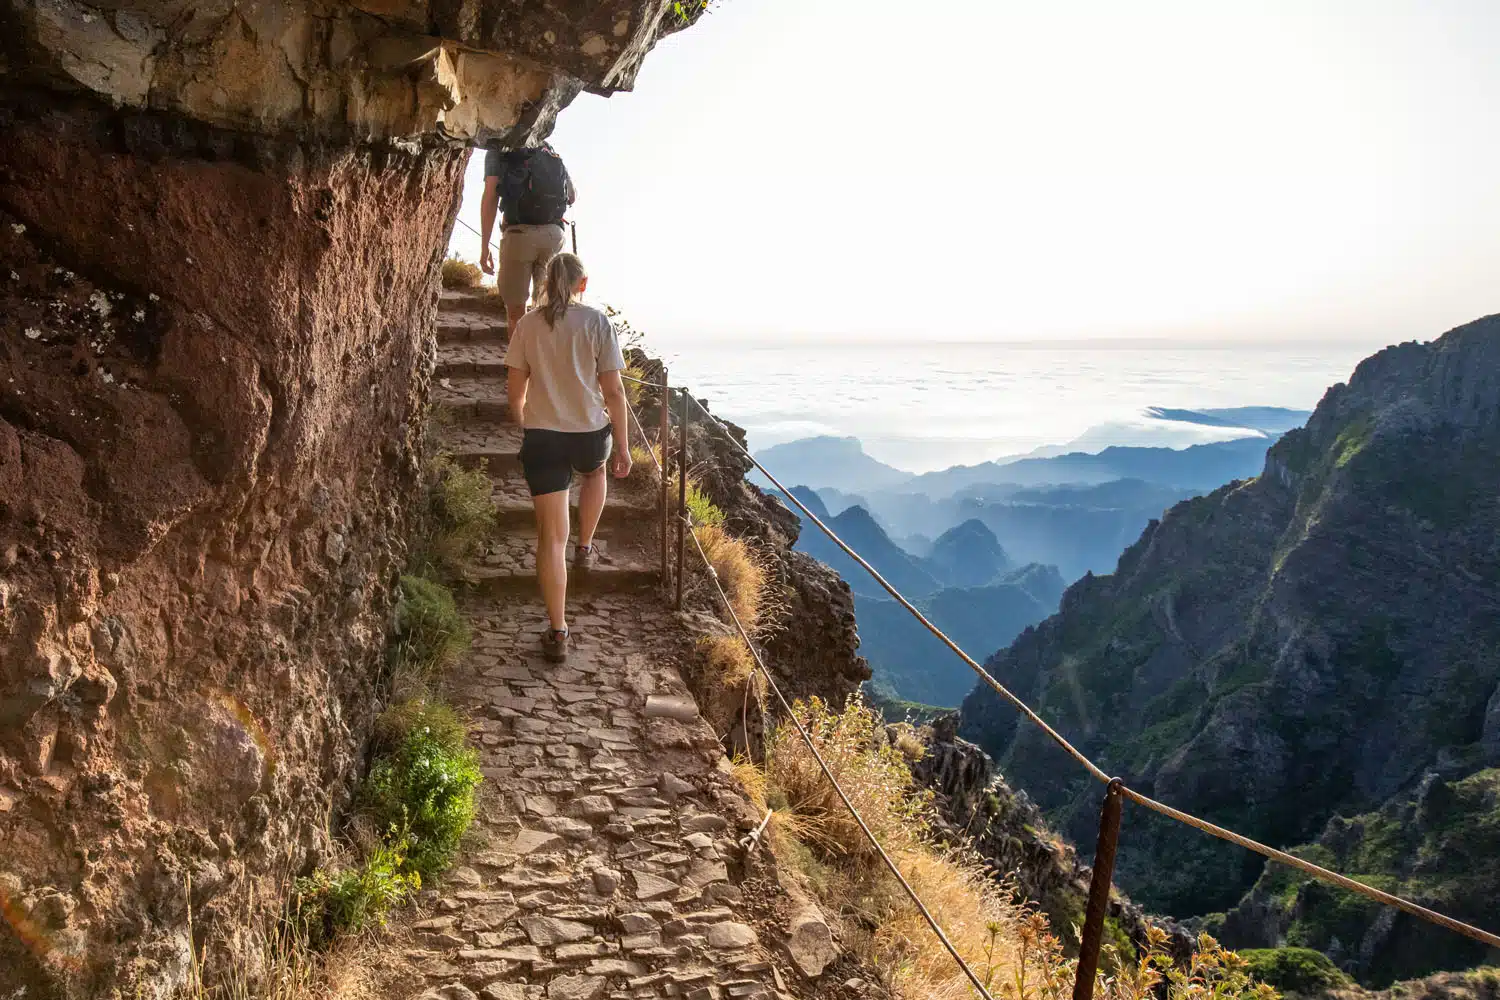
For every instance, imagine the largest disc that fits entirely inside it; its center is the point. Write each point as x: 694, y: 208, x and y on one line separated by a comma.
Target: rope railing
x: 686, y: 517
x: 1115, y: 787
x: 572, y: 232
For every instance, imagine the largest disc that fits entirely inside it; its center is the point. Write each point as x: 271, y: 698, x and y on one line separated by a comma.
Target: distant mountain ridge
x: 1313, y: 655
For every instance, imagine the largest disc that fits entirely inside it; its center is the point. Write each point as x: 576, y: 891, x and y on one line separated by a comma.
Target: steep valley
x: 1321, y: 641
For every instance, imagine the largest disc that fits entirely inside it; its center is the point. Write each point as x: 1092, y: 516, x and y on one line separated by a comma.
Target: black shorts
x: 549, y: 458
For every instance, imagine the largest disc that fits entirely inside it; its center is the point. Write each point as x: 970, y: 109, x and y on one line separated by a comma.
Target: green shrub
x: 327, y: 904
x: 431, y: 634
x: 1295, y: 970
x: 463, y: 509
x: 422, y: 788
x: 704, y: 510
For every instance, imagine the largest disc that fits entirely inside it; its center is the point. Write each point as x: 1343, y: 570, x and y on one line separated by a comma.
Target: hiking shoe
x: 585, y: 557
x: 555, y: 645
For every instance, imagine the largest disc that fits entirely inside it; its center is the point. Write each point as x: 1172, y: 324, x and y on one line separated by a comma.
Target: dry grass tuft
x: 459, y: 273
x: 822, y: 843
x: 1009, y: 947
x: 910, y: 745
x: 727, y: 660
x: 741, y: 571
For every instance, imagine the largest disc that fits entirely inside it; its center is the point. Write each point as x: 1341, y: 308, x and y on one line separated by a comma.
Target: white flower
x: 152, y: 297
x: 106, y: 376
x: 17, y: 228
x: 32, y: 333
x: 99, y: 302
x: 140, y: 315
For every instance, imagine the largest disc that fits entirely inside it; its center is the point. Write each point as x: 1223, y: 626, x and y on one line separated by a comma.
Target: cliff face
x: 1307, y: 643
x: 1007, y: 828
x: 220, y: 229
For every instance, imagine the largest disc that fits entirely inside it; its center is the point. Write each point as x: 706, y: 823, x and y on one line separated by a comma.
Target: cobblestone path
x: 605, y: 861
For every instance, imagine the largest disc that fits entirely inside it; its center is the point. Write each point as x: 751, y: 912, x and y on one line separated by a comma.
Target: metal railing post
x: 682, y: 465
x: 1098, y: 907
x: 663, y: 438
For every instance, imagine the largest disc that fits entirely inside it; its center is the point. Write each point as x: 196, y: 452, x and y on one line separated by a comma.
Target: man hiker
x: 533, y: 191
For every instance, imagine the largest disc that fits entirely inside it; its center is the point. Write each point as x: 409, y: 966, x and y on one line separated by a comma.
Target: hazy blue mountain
x: 1201, y: 467
x: 839, y: 501
x: 809, y: 496
x: 910, y: 661
x: 967, y: 555
x: 1116, y: 493
x: 856, y: 527
x: 839, y: 462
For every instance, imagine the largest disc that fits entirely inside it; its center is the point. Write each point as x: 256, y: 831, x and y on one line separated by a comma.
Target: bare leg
x: 513, y: 316
x: 551, y: 554
x: 591, y: 504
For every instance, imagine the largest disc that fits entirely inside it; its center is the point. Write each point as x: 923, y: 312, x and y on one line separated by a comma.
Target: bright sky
x: 998, y: 169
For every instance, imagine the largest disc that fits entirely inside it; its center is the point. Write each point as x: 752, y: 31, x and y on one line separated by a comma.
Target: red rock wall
x: 213, y: 354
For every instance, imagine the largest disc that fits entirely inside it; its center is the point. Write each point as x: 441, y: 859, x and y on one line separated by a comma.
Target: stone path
x: 605, y: 860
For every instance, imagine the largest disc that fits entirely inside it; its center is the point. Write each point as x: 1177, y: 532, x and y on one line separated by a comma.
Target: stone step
x: 495, y: 444
x: 485, y: 358
x: 508, y: 564
x: 471, y: 398
x: 466, y: 316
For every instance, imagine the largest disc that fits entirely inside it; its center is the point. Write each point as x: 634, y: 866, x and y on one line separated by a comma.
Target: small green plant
x: 463, y: 510
x: 1299, y: 970
x: 423, y: 786
x: 431, y: 634
x: 459, y: 273
x: 327, y: 904
x: 703, y: 510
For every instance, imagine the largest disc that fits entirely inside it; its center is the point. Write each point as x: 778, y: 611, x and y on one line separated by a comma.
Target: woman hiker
x: 564, y: 385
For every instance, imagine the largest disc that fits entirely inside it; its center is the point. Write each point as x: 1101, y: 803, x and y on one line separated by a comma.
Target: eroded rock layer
x: 220, y: 231
x: 213, y: 358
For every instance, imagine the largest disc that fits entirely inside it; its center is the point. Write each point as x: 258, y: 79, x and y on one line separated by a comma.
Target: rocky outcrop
x: 1308, y: 643
x: 813, y: 645
x: 220, y: 231
x: 403, y: 70
x: 975, y: 806
x: 1438, y: 846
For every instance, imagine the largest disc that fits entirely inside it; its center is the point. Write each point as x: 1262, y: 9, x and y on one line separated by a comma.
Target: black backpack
x: 538, y: 189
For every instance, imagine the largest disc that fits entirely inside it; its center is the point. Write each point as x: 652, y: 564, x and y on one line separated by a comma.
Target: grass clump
x: 422, y: 787
x: 815, y: 835
x: 463, y: 510
x: 328, y: 904
x: 1009, y: 946
x: 741, y: 572
x: 431, y: 635
x: 1296, y: 970
x: 459, y: 273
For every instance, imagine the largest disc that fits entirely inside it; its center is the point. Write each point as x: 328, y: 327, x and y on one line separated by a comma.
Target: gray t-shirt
x: 565, y: 363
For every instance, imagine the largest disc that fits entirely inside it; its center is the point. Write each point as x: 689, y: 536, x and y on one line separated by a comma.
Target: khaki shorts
x: 525, y: 252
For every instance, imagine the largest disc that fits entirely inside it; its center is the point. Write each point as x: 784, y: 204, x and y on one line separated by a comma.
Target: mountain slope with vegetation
x: 910, y: 661
x: 1309, y: 643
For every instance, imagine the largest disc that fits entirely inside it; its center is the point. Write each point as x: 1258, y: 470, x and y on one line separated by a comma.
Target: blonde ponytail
x: 563, y: 275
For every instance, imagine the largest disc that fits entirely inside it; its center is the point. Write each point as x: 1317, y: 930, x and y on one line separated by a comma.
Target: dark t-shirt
x: 510, y: 166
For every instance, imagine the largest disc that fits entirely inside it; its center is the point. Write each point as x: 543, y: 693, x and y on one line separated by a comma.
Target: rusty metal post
x: 682, y: 474
x: 1098, y: 906
x: 663, y: 437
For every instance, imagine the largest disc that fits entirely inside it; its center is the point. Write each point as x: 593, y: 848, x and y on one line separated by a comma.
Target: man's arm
x: 614, y: 400
x: 515, y: 390
x: 487, y: 206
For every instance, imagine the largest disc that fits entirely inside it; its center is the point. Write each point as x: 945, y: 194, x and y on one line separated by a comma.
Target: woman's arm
x: 619, y: 421
x: 515, y: 391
